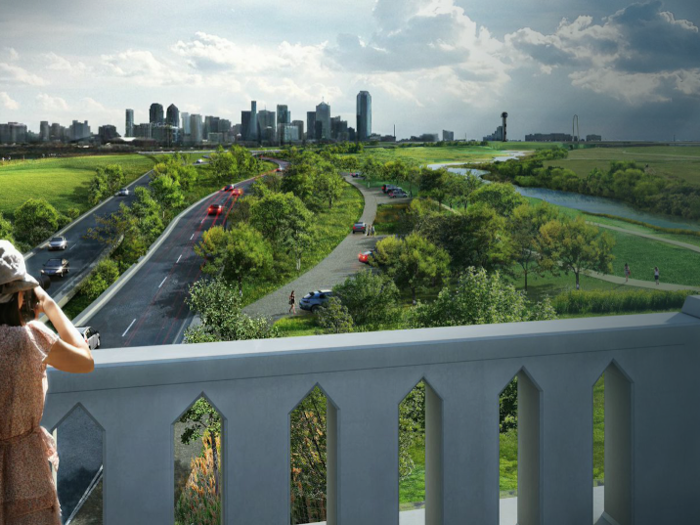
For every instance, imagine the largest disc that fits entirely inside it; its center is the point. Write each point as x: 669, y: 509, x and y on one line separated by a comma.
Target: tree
x: 335, y: 318
x: 236, y: 253
x: 114, y: 176
x: 479, y: 298
x: 6, y: 229
x: 35, y: 220
x: 168, y: 192
x: 372, y: 170
x: 413, y: 262
x: 524, y: 229
x: 574, y: 246
x: 433, y: 183
x: 98, y: 189
x: 371, y: 298
x: 329, y: 187
x: 105, y: 273
x: 223, y: 165
x: 501, y: 197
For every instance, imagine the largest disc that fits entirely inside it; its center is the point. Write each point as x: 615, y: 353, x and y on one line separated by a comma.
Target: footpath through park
x: 340, y: 264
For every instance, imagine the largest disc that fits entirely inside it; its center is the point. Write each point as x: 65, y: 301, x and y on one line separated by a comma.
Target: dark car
x: 359, y: 227
x: 314, y: 300
x: 55, y: 267
x: 398, y: 194
x: 386, y: 188
x: 91, y: 336
x: 230, y: 187
x: 215, y: 209
x: 355, y: 174
x: 365, y: 257
x: 58, y: 243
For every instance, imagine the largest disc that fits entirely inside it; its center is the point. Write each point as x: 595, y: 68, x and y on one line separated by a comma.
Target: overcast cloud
x: 630, y: 71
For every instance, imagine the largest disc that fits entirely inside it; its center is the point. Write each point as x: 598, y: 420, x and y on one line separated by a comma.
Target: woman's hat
x: 13, y: 272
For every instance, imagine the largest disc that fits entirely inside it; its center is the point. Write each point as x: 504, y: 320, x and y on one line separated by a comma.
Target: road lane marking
x: 178, y: 259
x: 192, y: 237
x: 132, y: 324
x: 163, y: 281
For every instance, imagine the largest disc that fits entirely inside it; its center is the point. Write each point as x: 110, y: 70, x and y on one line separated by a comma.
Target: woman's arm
x: 70, y: 353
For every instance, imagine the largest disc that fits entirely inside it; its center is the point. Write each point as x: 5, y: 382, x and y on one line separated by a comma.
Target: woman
x: 292, y: 301
x: 656, y: 275
x: 27, y: 491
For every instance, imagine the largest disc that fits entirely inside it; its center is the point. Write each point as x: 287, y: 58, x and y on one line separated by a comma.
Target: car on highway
x: 215, y: 209
x: 312, y: 301
x: 124, y: 192
x: 398, y: 194
x: 360, y: 227
x: 365, y: 257
x: 58, y: 243
x: 237, y: 191
x: 55, y: 267
x: 230, y: 187
x: 90, y: 335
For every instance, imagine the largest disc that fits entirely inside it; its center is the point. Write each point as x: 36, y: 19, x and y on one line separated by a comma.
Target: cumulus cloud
x: 58, y: 63
x: 143, y: 68
x: 7, y: 101
x: 11, y: 74
x: 49, y: 103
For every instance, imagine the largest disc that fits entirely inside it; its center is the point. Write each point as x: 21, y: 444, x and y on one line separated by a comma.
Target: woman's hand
x: 43, y: 300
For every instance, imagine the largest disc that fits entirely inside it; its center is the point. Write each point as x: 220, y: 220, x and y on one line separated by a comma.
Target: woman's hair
x: 9, y: 312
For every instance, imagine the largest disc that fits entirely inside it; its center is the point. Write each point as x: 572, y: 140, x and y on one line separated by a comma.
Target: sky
x: 630, y: 71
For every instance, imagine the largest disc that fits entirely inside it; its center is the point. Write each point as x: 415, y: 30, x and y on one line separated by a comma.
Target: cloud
x: 11, y: 74
x: 59, y: 63
x: 145, y: 69
x: 7, y: 101
x: 50, y: 103
x: 11, y: 53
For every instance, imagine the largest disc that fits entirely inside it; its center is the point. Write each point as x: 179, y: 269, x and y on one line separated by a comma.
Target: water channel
x: 585, y: 203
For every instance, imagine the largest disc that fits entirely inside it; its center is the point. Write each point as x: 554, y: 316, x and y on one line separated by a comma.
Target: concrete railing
x: 651, y: 397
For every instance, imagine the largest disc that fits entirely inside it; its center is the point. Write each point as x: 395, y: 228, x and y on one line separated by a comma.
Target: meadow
x: 432, y: 155
x: 671, y: 162
x: 63, y: 182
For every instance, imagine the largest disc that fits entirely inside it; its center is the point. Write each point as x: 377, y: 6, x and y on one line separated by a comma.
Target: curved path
x: 334, y: 269
x: 680, y: 244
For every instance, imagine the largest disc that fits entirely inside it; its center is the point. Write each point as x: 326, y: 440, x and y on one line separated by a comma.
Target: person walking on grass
x: 627, y: 272
x: 656, y: 275
x: 292, y: 301
x: 27, y: 489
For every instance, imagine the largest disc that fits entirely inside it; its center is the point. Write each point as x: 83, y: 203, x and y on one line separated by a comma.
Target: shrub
x: 611, y: 301
x: 199, y: 502
x: 106, y: 272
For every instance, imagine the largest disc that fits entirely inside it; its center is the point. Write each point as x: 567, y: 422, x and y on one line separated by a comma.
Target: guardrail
x: 650, y: 364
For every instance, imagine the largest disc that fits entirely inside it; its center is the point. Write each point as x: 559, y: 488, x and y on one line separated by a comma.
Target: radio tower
x: 504, y: 116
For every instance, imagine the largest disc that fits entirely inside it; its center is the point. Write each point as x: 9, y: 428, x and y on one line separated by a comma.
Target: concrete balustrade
x: 651, y: 365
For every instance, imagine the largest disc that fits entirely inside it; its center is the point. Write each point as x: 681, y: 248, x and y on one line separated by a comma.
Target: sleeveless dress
x: 27, y: 491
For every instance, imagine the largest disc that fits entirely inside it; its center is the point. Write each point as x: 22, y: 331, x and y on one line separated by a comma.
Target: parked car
x: 124, y: 192
x: 91, y: 336
x: 314, y: 300
x: 359, y: 227
x: 398, y: 194
x: 386, y: 188
x: 215, y: 209
x: 355, y: 174
x: 58, y: 243
x: 200, y: 161
x: 365, y: 257
x: 279, y: 170
x: 55, y: 267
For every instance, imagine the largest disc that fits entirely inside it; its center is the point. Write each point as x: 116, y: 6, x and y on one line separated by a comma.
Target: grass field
x: 667, y: 161
x: 63, y: 182
x: 432, y: 155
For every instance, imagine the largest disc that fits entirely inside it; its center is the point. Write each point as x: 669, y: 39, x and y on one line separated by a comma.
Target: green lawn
x: 63, y: 182
x: 433, y: 155
x: 667, y: 161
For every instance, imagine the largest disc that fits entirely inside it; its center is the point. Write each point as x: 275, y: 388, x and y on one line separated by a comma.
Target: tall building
x: 79, y: 131
x: 173, y: 116
x: 300, y: 127
x: 253, y: 131
x: 448, y: 136
x: 107, y: 132
x: 196, y: 129
x: 311, y: 125
x: 129, y: 128
x: 57, y: 132
x: 185, y: 123
x: 266, y: 119
x: 211, y: 125
x: 44, y: 131
x: 143, y: 131
x: 283, y: 114
x: 323, y: 116
x: 13, y: 133
x: 155, y: 114
x: 364, y: 115
x: 245, y: 125
x: 339, y: 129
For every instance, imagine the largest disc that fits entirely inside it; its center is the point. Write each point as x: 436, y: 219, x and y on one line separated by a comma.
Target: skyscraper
x: 196, y: 129
x: 323, y: 117
x: 129, y: 129
x: 283, y: 114
x: 44, y: 131
x: 156, y: 114
x: 173, y: 116
x: 364, y: 115
x: 311, y: 125
x: 245, y: 125
x: 300, y: 126
x: 253, y: 133
x: 185, y: 123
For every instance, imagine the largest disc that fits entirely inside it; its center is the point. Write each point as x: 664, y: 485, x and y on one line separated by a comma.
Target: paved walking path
x: 334, y: 269
x: 680, y: 244
x: 641, y: 284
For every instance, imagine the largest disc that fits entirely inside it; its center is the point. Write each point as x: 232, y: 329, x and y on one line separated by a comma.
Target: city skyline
x: 628, y: 70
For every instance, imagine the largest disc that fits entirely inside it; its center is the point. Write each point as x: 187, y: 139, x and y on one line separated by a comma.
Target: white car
x: 91, y: 336
x: 58, y: 243
x: 124, y: 192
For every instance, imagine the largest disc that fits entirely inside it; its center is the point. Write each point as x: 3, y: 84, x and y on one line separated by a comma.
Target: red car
x: 364, y: 257
x: 215, y: 209
x: 237, y: 191
x: 359, y: 227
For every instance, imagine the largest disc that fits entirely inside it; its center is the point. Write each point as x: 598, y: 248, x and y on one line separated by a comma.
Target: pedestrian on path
x: 627, y: 272
x: 292, y: 301
x: 27, y: 489
x: 656, y: 275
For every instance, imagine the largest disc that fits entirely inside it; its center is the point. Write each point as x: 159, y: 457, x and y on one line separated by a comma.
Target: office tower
x: 364, y: 115
x: 173, y: 116
x: 185, y: 123
x: 283, y: 114
x: 79, y: 130
x: 323, y: 116
x: 266, y: 119
x: 245, y: 125
x: 129, y: 128
x: 56, y: 132
x: 196, y: 129
x: 339, y: 129
x: 253, y: 131
x: 448, y: 136
x: 155, y: 114
x: 13, y: 133
x: 143, y: 131
x: 44, y: 131
x: 107, y: 132
x: 311, y: 125
x: 300, y: 127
